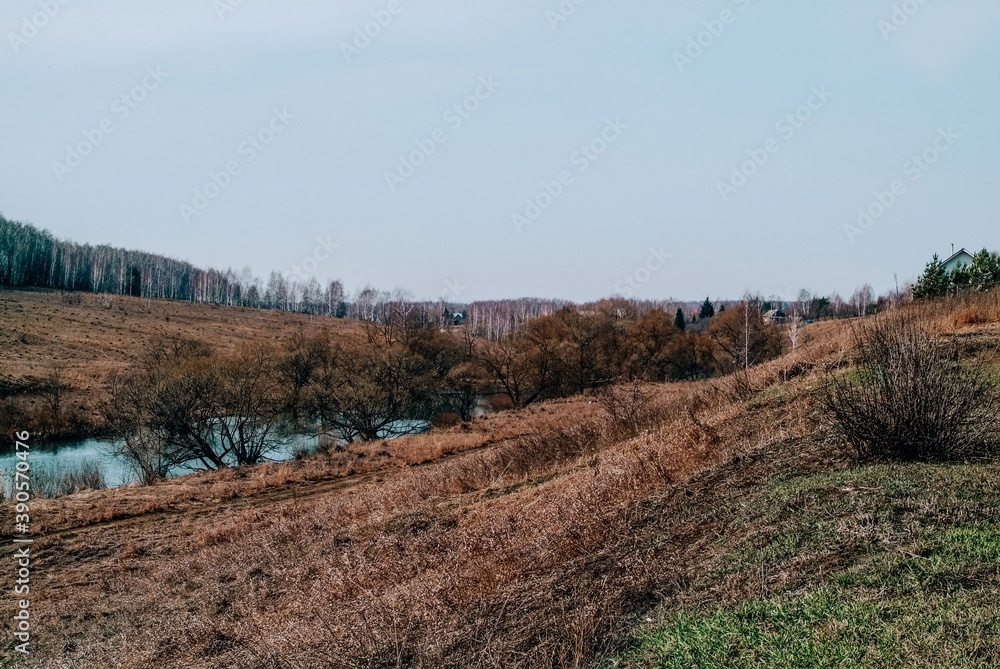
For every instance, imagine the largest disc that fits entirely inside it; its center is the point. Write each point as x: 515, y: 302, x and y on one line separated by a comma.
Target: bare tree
x: 743, y: 337
x: 52, y: 389
x: 527, y: 364
x: 184, y: 406
x: 862, y: 299
x: 464, y: 385
x: 369, y: 391
x: 804, y: 304
x: 297, y: 366
x: 794, y: 329
x: 127, y: 418
x: 247, y: 431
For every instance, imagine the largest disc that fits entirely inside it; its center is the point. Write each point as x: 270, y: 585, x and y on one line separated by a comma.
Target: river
x: 70, y: 456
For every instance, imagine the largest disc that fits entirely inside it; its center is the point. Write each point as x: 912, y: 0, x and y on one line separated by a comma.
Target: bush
x: 911, y: 397
x: 628, y: 406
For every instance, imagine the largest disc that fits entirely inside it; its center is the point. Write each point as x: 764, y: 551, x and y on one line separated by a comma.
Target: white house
x: 960, y: 259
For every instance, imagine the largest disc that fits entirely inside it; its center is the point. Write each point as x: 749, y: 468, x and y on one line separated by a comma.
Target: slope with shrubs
x: 520, y: 554
x: 871, y: 565
x: 58, y: 351
x: 696, y: 524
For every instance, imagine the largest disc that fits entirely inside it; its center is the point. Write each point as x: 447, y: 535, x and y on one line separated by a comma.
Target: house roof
x: 956, y: 255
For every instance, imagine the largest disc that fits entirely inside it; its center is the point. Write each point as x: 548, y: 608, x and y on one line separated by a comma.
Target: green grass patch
x: 917, y: 583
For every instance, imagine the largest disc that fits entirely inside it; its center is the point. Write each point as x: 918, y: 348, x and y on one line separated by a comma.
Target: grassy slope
x: 821, y: 563
x: 729, y: 532
x: 93, y: 338
x: 90, y: 340
x: 879, y: 566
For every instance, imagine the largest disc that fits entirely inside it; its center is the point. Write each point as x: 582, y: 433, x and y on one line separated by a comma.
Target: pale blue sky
x: 657, y: 184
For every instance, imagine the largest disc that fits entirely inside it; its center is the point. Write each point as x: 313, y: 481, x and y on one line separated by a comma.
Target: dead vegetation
x: 470, y: 562
x: 532, y: 539
x: 81, y: 342
x: 911, y: 396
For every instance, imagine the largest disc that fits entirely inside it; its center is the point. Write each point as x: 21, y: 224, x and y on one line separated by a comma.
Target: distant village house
x: 960, y: 259
x: 775, y: 316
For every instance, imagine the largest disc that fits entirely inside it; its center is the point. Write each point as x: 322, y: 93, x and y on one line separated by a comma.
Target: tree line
x: 30, y: 257
x: 34, y: 258
x: 184, y: 404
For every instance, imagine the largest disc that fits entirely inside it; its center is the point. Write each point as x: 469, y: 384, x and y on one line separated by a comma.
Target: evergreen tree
x: 934, y: 282
x: 707, y: 310
x: 679, y: 320
x: 984, y: 273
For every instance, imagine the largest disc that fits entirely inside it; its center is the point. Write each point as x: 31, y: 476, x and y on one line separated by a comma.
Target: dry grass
x: 963, y: 311
x: 41, y: 329
x: 307, y: 476
x: 472, y: 561
x: 89, y: 340
x: 527, y: 540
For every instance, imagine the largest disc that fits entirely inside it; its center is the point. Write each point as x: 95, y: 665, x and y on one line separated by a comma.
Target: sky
x: 569, y: 149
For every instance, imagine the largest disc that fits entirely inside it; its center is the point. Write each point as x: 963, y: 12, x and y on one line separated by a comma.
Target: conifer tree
x: 679, y: 320
x: 707, y: 310
x: 934, y: 281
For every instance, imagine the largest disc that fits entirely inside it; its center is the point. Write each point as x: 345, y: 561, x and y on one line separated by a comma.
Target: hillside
x: 878, y: 566
x: 713, y: 523
x: 95, y: 333
x: 83, y: 338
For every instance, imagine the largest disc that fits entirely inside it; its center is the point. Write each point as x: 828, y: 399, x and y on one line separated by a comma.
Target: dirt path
x: 299, y: 490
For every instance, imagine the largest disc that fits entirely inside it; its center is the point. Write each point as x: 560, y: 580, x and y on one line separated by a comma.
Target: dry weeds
x: 527, y: 540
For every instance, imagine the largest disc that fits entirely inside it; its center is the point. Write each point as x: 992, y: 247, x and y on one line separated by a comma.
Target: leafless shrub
x: 911, y: 397
x: 627, y: 405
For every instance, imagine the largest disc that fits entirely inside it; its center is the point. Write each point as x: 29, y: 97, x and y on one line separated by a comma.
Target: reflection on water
x: 116, y: 472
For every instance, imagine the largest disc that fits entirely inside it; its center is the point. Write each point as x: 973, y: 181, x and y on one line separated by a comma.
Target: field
x: 718, y: 525
x: 101, y: 333
x: 88, y: 337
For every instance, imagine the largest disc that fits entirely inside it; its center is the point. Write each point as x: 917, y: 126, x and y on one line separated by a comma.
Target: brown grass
x: 966, y: 310
x: 532, y: 539
x: 972, y: 315
x: 456, y: 563
x: 89, y: 341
